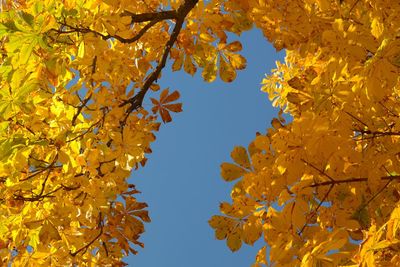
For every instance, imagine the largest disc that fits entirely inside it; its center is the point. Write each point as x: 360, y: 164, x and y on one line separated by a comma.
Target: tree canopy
x: 323, y: 189
x: 320, y: 190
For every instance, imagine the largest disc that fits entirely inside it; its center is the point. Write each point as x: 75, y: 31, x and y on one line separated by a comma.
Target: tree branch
x: 137, y: 100
x: 320, y: 171
x: 353, y: 180
x: 163, y: 15
x: 314, y: 212
x: 101, y: 225
x: 375, y: 134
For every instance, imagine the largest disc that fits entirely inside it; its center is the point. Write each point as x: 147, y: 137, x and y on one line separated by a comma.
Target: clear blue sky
x: 181, y: 181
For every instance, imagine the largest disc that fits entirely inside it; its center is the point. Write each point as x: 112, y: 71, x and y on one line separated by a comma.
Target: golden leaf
x: 231, y: 171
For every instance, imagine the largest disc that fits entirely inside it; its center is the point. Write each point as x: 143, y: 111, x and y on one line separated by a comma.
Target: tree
x: 320, y: 190
x: 74, y: 75
x: 323, y: 189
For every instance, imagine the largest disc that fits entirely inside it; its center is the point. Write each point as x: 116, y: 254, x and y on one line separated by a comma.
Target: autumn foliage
x: 323, y: 189
x: 320, y: 190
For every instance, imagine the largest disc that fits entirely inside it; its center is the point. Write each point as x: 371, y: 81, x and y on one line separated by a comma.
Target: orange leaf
x: 172, y: 97
x: 234, y: 46
x: 165, y: 116
x: 162, y: 107
x: 174, y: 107
x: 164, y: 94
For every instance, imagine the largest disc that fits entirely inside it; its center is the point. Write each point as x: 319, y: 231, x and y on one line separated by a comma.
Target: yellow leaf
x: 237, y: 61
x: 210, y: 70
x: 221, y: 233
x: 81, y: 50
x: 20, y: 159
x: 308, y: 260
x: 384, y: 244
x: 80, y: 160
x: 226, y: 70
x: 26, y: 52
x: 34, y: 238
x: 188, y: 65
x: 262, y: 142
x: 206, y: 37
x: 262, y: 256
x: 234, y: 241
x: 240, y: 156
x: 235, y: 46
x: 375, y: 90
x: 276, y: 123
x: 377, y: 28
x: 231, y: 171
x: 323, y: 4
x: 177, y: 65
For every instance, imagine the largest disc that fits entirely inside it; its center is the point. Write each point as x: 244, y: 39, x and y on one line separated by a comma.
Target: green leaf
x: 28, y: 18
x: 26, y: 51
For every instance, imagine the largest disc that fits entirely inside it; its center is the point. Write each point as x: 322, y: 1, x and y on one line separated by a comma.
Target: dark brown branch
x: 105, y: 248
x: 388, y: 110
x: 39, y: 160
x: 139, y: 34
x: 137, y: 100
x: 80, y: 108
x: 49, y: 167
x: 109, y: 36
x: 353, y: 180
x: 162, y: 15
x: 353, y: 6
x: 357, y: 119
x: 41, y: 195
x: 81, y: 202
x: 37, y: 197
x: 70, y: 188
x: 376, y: 194
x: 379, y: 191
x: 94, y: 65
x: 153, y: 19
x: 26, y: 127
x: 376, y: 133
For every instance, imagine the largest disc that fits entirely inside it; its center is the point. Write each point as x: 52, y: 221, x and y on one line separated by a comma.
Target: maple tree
x: 323, y: 189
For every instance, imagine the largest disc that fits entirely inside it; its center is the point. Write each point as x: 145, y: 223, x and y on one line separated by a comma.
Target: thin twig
x: 357, y: 119
x: 352, y: 180
x: 320, y: 171
x: 353, y: 6
x: 101, y: 225
x: 317, y: 208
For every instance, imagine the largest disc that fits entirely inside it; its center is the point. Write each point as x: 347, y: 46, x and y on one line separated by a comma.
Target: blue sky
x: 181, y: 181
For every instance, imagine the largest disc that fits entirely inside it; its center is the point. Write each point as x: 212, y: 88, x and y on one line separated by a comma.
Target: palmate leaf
x: 163, y: 106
